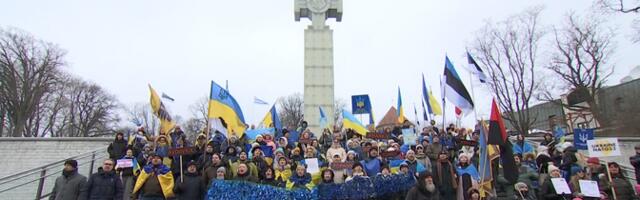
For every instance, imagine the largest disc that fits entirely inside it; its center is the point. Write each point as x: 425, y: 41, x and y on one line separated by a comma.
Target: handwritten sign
x: 604, y: 147
x: 589, y: 188
x: 124, y: 163
x: 377, y: 136
x: 341, y: 165
x: 409, y: 136
x: 561, y: 186
x: 468, y: 143
x: 386, y: 154
x: 182, y: 151
x: 312, y: 165
x: 305, y: 141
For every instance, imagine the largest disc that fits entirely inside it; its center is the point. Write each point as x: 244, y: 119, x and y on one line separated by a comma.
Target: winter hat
x: 553, y: 167
x: 593, y: 160
x: 575, y: 170
x: 192, y: 163
x: 221, y: 169
x: 73, y: 163
x: 520, y: 185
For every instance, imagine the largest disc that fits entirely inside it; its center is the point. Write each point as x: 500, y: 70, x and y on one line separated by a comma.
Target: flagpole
x: 473, y: 96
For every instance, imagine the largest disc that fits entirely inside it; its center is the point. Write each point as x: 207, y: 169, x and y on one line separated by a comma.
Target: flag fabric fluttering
x: 371, y: 119
x: 458, y: 112
x: 259, y: 101
x: 271, y: 119
x: 558, y: 133
x: 400, y: 111
x: 160, y: 111
x: 454, y: 89
x: 487, y: 154
x: 167, y: 97
x: 498, y: 136
x: 475, y: 69
x: 349, y: 121
x: 425, y: 117
x: 224, y: 106
x: 323, y: 119
x: 432, y: 103
x: 415, y: 110
x: 497, y: 132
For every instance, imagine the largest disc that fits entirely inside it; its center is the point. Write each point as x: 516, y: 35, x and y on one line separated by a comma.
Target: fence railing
x: 40, y: 180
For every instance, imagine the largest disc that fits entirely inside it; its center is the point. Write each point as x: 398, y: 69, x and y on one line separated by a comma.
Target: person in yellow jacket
x: 155, y: 181
x: 300, y: 179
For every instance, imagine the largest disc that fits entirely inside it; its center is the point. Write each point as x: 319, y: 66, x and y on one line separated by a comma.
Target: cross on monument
x: 318, y: 59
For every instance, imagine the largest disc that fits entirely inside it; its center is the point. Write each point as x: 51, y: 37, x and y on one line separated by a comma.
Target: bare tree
x: 28, y: 71
x: 141, y: 115
x: 582, y: 48
x: 291, y: 110
x: 509, y: 52
x: 624, y: 6
x: 339, y: 105
x: 92, y: 110
x: 200, y: 110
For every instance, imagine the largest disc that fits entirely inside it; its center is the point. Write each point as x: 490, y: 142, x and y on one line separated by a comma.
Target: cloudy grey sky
x: 180, y: 46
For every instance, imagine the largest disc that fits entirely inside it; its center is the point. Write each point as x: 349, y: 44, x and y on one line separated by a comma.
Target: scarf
x: 453, y: 180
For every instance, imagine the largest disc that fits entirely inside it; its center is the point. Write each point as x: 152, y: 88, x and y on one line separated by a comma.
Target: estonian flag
x: 475, y: 69
x: 454, y: 89
x: 259, y: 101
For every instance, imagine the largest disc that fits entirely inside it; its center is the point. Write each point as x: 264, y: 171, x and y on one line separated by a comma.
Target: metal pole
x: 93, y: 160
x: 473, y: 96
x: 43, y: 173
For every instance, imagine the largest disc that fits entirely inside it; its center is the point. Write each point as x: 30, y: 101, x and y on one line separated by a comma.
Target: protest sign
x: 561, y: 186
x: 312, y: 165
x: 341, y: 165
x: 124, y: 163
x: 409, y: 136
x: 604, y: 147
x: 386, y: 154
x: 182, y: 151
x: 589, y: 188
x: 378, y: 136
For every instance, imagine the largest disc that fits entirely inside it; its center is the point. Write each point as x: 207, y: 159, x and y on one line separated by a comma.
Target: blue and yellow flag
x: 166, y: 122
x: 400, y: 111
x: 487, y: 154
x: 323, y: 119
x: 349, y: 121
x: 223, y: 105
x: 271, y: 119
x: 432, y: 103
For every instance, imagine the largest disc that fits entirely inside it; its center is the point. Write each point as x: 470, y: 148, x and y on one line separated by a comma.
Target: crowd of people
x: 441, y: 162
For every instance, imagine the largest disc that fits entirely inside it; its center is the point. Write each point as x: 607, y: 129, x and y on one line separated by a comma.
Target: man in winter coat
x: 192, y: 186
x: 118, y: 147
x: 105, y: 184
x: 69, y: 186
x: 425, y: 189
x: 155, y: 181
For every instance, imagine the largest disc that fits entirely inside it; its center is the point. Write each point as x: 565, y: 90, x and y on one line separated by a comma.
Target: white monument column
x: 318, y: 59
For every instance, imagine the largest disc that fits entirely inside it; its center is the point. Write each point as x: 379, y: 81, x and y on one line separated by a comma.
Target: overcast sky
x: 180, y: 46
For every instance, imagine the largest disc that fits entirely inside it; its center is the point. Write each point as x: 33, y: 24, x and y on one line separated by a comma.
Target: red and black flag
x: 498, y: 135
x: 497, y: 132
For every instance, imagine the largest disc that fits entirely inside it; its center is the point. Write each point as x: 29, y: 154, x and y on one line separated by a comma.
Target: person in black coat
x: 425, y: 188
x: 192, y: 187
x: 635, y: 161
x: 118, y: 147
x: 105, y: 184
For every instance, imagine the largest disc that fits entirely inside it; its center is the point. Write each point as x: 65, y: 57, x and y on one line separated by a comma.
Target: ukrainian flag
x: 400, y: 111
x: 223, y: 105
x: 166, y: 123
x: 349, y: 121
x: 323, y: 119
x: 432, y: 103
x: 271, y: 119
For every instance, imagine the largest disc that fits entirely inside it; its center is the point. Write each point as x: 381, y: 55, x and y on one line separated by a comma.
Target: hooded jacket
x: 420, y: 192
x: 117, y: 148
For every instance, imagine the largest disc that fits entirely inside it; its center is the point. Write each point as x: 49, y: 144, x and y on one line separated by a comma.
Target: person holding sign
x: 619, y: 183
x: 548, y: 190
x: 574, y: 184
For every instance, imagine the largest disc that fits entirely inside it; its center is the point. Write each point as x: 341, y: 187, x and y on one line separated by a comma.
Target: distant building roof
x: 390, y: 119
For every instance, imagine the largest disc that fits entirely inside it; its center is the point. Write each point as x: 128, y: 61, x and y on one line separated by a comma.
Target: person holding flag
x: 468, y: 176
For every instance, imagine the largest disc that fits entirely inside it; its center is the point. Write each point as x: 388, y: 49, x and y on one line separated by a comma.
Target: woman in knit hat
x: 548, y: 191
x: 468, y: 176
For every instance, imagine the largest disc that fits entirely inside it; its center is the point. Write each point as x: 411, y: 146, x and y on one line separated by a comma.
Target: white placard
x: 409, y: 137
x: 589, y: 188
x: 312, y: 165
x: 561, y: 186
x: 124, y: 163
x: 604, y: 147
